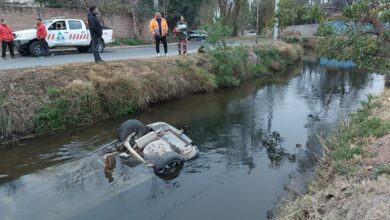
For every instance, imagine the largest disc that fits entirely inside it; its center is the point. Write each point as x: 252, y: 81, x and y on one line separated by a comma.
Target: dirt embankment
x: 45, y: 99
x: 353, y: 181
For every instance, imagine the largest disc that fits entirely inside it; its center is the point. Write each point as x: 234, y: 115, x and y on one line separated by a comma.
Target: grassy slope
x: 45, y: 99
x: 353, y: 181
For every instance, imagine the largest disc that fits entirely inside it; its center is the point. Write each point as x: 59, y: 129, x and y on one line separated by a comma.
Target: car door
x: 78, y: 34
x: 58, y: 34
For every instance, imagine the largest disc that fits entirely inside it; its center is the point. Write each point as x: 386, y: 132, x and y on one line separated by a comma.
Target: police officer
x: 96, y: 31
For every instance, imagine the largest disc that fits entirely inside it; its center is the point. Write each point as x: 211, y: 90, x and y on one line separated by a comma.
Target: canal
x: 257, y: 141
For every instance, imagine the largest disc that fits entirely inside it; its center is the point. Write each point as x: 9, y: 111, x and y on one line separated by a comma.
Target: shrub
x: 229, y: 66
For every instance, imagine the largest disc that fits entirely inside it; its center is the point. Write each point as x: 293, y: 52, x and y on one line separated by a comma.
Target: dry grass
x: 361, y: 193
x: 343, y: 198
x: 45, y: 99
x: 102, y: 87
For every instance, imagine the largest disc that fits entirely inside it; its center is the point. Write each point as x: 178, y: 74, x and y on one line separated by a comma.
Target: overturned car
x: 159, y: 145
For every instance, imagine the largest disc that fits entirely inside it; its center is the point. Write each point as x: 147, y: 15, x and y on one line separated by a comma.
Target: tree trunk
x: 135, y: 18
x: 236, y: 13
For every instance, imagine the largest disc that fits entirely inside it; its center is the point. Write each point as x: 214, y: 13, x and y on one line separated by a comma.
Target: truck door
x: 78, y: 34
x: 58, y: 34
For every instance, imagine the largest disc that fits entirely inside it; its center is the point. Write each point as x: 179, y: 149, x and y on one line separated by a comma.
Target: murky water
x: 237, y: 176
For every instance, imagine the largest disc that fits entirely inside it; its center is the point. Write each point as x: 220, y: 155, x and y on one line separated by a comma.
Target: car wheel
x: 129, y: 127
x: 24, y: 52
x: 36, y: 49
x: 168, y: 165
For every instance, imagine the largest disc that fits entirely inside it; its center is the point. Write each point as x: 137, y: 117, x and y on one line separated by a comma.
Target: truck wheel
x: 36, y: 49
x: 168, y: 165
x: 129, y: 127
x: 24, y: 52
x: 83, y: 49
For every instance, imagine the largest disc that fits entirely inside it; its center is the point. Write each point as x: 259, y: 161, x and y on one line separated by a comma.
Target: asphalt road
x: 72, y: 56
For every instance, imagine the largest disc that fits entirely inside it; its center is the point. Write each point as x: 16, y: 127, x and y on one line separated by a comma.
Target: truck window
x: 59, y: 25
x: 75, y: 25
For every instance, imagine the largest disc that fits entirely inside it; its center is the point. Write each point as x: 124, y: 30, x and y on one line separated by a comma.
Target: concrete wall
x: 25, y: 17
x: 306, y: 30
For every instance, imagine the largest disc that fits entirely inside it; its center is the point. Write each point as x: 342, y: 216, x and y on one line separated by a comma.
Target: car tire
x: 129, y: 127
x: 24, y: 52
x: 36, y: 49
x: 168, y: 164
x: 83, y: 49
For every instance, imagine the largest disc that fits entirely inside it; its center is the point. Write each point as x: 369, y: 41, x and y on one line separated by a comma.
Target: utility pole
x: 257, y: 21
x: 276, y: 27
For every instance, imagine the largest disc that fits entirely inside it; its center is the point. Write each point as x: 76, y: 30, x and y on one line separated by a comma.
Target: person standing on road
x: 41, y: 36
x: 6, y: 39
x: 159, y: 28
x: 96, y: 31
x: 181, y: 35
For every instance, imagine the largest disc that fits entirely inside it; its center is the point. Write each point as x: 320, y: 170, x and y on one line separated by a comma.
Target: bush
x: 229, y: 66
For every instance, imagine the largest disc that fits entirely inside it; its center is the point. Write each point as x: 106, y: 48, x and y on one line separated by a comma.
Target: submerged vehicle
x: 158, y: 145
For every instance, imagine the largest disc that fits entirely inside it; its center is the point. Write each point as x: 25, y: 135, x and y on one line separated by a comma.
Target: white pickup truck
x: 61, y: 32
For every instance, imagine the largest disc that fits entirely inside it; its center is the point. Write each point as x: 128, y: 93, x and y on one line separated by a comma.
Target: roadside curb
x: 113, y: 47
x: 134, y: 47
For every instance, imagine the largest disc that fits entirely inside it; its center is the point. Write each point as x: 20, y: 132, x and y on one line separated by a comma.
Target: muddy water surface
x: 256, y: 141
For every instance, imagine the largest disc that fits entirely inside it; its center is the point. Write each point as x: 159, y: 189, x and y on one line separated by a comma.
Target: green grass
x: 129, y: 42
x: 77, y: 104
x: 345, y: 143
x: 382, y: 169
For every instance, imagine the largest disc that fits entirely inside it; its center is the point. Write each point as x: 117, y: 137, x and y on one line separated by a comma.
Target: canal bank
x: 254, y: 140
x: 43, y: 100
x: 353, y: 180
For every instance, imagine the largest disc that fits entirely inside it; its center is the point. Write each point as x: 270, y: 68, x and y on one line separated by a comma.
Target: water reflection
x: 254, y: 140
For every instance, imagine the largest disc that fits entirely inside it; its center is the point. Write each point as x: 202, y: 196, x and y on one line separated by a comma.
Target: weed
x: 5, y: 124
x: 344, y: 143
x: 382, y: 169
x: 76, y: 104
x: 346, y: 152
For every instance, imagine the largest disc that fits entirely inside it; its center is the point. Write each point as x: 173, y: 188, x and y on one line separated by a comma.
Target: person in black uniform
x: 96, y: 31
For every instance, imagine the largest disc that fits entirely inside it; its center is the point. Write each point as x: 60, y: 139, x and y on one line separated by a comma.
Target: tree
x: 367, y: 47
x: 218, y: 33
x: 235, y: 14
x: 287, y: 13
x: 141, y: 10
x: 187, y: 8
